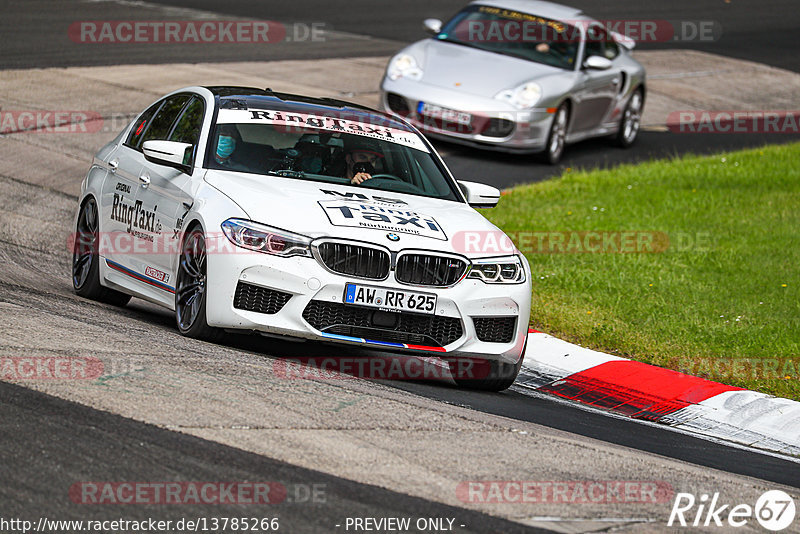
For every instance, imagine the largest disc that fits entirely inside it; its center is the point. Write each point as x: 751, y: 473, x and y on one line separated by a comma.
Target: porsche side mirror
x: 170, y: 153
x: 597, y: 63
x: 480, y: 195
x: 433, y: 26
x: 623, y: 40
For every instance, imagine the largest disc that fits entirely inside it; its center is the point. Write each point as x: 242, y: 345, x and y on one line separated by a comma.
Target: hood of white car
x: 469, y: 70
x: 318, y: 209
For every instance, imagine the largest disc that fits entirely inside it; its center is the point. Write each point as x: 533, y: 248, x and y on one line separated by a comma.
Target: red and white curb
x: 646, y: 392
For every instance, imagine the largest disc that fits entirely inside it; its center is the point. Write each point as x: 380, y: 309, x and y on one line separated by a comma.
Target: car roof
x: 233, y: 97
x: 539, y: 8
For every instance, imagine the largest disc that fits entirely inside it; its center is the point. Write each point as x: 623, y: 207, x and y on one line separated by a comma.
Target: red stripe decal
x: 137, y: 276
x: 635, y: 389
x: 533, y: 331
x: 430, y: 349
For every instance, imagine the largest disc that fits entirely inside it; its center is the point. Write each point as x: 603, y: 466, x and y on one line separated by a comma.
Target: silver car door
x: 597, y: 90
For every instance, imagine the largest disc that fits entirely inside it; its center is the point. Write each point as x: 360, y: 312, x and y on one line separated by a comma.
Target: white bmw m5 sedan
x: 248, y: 210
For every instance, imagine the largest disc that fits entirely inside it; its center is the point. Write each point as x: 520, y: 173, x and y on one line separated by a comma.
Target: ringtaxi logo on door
x: 774, y: 510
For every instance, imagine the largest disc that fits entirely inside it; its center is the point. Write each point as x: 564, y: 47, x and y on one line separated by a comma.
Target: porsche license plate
x: 389, y: 299
x: 446, y: 115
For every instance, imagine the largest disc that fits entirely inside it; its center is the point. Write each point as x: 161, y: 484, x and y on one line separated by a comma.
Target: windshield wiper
x: 288, y: 173
x: 463, y: 43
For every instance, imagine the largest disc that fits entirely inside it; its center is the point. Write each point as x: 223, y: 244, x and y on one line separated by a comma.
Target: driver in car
x: 361, y: 156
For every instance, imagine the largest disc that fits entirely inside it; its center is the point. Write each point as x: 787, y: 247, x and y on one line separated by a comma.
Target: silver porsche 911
x: 518, y: 76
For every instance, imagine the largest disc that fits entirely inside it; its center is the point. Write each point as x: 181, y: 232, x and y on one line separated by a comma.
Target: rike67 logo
x: 774, y: 510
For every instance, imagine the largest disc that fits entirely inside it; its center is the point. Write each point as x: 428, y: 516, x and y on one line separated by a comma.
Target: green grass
x: 726, y: 307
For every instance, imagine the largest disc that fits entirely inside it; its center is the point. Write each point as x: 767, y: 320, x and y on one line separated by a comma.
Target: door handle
x: 113, y: 165
x: 144, y: 178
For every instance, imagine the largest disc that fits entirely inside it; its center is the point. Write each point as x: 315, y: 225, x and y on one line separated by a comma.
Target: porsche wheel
x: 631, y: 120
x: 190, y: 289
x: 556, y: 139
x: 86, y: 261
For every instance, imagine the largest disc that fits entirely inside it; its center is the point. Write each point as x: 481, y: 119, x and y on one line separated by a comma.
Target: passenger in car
x: 314, y: 154
x: 226, y: 154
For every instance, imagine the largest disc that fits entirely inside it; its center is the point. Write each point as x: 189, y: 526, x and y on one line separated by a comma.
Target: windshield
x: 516, y: 34
x: 339, y: 150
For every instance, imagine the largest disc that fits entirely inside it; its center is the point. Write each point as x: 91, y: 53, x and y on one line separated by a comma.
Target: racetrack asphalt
x: 48, y: 444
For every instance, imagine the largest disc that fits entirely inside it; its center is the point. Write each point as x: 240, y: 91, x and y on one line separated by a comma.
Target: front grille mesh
x: 498, y: 127
x: 354, y: 260
x: 410, y: 328
x: 495, y: 329
x: 259, y: 299
x: 397, y: 103
x: 428, y: 270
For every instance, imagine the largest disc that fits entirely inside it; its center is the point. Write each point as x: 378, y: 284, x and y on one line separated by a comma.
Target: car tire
x: 499, y: 375
x: 190, y: 288
x: 630, y: 122
x: 86, y: 260
x: 556, y: 138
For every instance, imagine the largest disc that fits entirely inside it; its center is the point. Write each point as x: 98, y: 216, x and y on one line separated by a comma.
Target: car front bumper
x: 495, y: 126
x: 305, y: 280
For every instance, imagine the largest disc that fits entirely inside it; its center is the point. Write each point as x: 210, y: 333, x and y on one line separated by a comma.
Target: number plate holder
x: 447, y: 115
x: 389, y: 299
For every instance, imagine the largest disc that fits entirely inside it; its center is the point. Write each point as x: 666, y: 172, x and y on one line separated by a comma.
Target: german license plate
x: 389, y: 299
x: 446, y: 115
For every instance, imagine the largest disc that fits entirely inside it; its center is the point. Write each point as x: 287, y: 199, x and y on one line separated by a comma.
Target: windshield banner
x: 300, y: 122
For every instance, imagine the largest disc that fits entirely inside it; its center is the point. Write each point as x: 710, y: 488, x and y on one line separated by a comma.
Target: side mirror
x: 623, y: 40
x: 170, y: 153
x: 480, y: 195
x: 433, y: 26
x: 597, y: 63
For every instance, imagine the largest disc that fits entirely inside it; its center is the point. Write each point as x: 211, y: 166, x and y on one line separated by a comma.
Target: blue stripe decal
x: 344, y: 338
x: 382, y: 343
x: 140, y: 277
x: 362, y: 340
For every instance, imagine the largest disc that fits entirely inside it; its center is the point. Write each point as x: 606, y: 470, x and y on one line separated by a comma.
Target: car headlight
x: 523, y: 97
x: 404, y: 66
x: 503, y: 270
x: 262, y: 238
